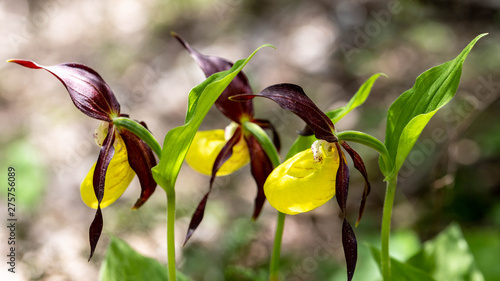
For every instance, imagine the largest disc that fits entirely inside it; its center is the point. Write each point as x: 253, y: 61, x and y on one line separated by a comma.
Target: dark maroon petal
x: 342, y: 181
x: 265, y: 124
x: 105, y: 155
x: 307, y: 131
x: 99, y: 179
x: 350, y: 246
x: 95, y: 231
x: 87, y: 89
x: 141, y: 159
x: 261, y: 167
x: 360, y: 166
x: 239, y: 85
x: 292, y: 97
x: 222, y: 157
x: 349, y: 242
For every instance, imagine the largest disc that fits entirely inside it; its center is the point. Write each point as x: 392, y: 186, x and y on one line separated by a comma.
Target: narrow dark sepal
x: 292, y: 97
x: 222, y: 157
x: 350, y: 246
x: 196, y: 218
x: 105, y: 155
x: 266, y: 124
x: 141, y: 159
x: 88, y: 91
x: 360, y: 166
x: 239, y: 85
x: 95, y: 231
x: 261, y: 167
x: 342, y: 181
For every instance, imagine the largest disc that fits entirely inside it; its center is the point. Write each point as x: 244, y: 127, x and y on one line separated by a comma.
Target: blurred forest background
x: 328, y: 47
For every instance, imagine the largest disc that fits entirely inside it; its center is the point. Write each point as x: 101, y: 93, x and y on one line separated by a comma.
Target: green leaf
x: 411, y: 112
x: 402, y: 271
x: 178, y: 140
x: 484, y: 244
x: 122, y: 263
x: 358, y: 99
x: 448, y: 257
x: 304, y: 142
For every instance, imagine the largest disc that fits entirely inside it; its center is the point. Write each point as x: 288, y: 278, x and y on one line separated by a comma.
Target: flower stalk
x: 150, y: 140
x: 171, y: 234
x: 386, y: 227
x: 274, y: 269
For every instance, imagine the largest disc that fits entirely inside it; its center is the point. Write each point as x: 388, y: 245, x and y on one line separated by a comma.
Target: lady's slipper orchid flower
x: 122, y: 154
x: 312, y: 177
x: 221, y: 152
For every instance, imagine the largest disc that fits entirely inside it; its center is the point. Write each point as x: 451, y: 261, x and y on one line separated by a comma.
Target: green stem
x: 140, y: 131
x: 275, y: 258
x: 371, y: 142
x: 150, y: 140
x: 273, y: 155
x: 264, y: 141
x: 386, y: 227
x: 171, y: 234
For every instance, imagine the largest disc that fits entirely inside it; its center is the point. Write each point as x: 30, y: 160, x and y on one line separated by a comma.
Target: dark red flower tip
x: 141, y: 159
x: 225, y: 153
x: 88, y: 91
x: 105, y: 155
x: 240, y: 85
x: 360, y: 166
x: 261, y: 167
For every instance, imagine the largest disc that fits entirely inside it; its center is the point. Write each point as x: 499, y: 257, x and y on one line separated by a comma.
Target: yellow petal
x: 205, y: 148
x: 302, y: 184
x: 118, y: 177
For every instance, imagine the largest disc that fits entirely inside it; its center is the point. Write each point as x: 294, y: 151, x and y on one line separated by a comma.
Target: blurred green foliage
x: 31, y: 174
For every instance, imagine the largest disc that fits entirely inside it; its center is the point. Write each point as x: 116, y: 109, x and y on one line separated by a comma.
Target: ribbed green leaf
x: 122, y: 263
x: 358, y: 99
x: 178, y: 140
x: 411, y: 112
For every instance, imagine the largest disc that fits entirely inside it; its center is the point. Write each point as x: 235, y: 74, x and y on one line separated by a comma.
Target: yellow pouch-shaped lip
x: 118, y: 178
x: 302, y: 183
x: 206, y: 146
